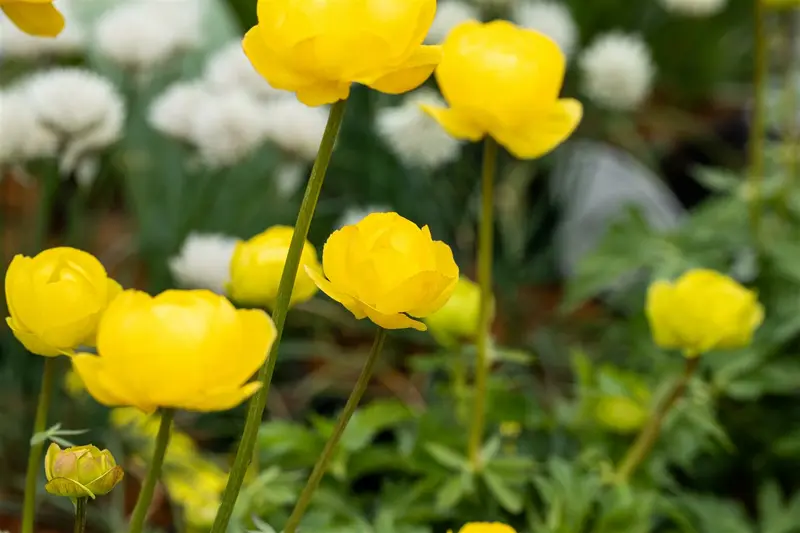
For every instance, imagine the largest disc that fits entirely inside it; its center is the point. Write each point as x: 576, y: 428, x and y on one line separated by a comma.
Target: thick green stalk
x: 139, y: 516
x: 649, y: 434
x: 80, y: 515
x: 757, y: 129
x: 330, y: 447
x: 257, y: 404
x: 35, y: 456
x: 485, y: 257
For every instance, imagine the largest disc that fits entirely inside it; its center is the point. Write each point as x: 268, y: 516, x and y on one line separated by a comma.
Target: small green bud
x: 80, y: 471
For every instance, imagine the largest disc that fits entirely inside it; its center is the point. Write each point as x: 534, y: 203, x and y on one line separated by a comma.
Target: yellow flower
x: 80, y: 471
x: 257, y: 265
x: 56, y: 299
x: 318, y: 49
x: 385, y: 268
x: 620, y: 414
x: 703, y: 310
x: 36, y: 17
x: 458, y: 318
x: 182, y: 349
x: 198, y: 489
x: 486, y: 527
x: 504, y: 81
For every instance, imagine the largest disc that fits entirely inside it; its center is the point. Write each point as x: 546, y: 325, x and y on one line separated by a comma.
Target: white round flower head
x: 295, y: 127
x: 15, y: 43
x: 354, y: 215
x: 414, y: 137
x: 204, y: 262
x: 551, y: 18
x: 617, y: 71
x: 228, y: 128
x: 22, y: 137
x: 174, y: 111
x: 289, y: 177
x: 449, y: 14
x: 230, y: 69
x: 694, y: 8
x: 83, y: 109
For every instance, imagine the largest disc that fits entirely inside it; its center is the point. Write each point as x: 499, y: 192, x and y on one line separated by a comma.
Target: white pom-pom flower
x: 617, y: 71
x: 354, y: 215
x: 414, y: 137
x: 22, y: 137
x: 694, y: 8
x: 230, y: 69
x: 551, y: 18
x: 295, y: 127
x: 83, y: 109
x: 204, y: 262
x: 174, y: 111
x: 449, y: 14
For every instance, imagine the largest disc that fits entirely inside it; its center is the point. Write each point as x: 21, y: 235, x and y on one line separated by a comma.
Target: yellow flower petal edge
x: 35, y: 17
x: 486, y: 527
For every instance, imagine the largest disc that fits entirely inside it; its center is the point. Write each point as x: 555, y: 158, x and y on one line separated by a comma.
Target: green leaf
x: 453, y: 491
x: 447, y: 457
x: 508, y: 497
x: 372, y: 419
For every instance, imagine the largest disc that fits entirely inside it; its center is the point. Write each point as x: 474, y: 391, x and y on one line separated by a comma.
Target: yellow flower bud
x: 620, y: 414
x: 503, y: 81
x: 458, y: 318
x: 385, y: 268
x: 486, y: 527
x: 701, y: 311
x: 257, y: 265
x: 318, y: 49
x: 80, y: 471
x: 56, y: 298
x: 181, y: 349
x: 36, y: 17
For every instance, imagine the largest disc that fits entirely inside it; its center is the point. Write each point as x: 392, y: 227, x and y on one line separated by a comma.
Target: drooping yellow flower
x: 486, y: 527
x: 318, y: 49
x: 701, y: 311
x: 257, y: 265
x: 504, y: 81
x: 36, y: 17
x: 458, y: 317
x: 385, y: 268
x: 56, y: 298
x: 80, y: 471
x: 181, y: 349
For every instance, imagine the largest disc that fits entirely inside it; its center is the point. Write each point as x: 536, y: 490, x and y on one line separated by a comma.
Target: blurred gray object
x: 593, y: 184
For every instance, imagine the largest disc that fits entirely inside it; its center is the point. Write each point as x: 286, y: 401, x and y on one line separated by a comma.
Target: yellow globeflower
x: 257, y: 265
x: 486, y: 527
x: 318, y: 49
x: 458, y: 318
x: 182, y: 349
x: 80, y: 471
x: 386, y: 268
x: 503, y: 81
x: 702, y: 310
x: 36, y: 17
x: 55, y: 299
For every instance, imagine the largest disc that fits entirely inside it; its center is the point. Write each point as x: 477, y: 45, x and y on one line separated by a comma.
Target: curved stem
x: 80, y: 515
x: 757, y: 129
x: 139, y: 516
x: 485, y: 256
x: 649, y: 434
x: 35, y: 456
x: 259, y: 401
x: 330, y: 447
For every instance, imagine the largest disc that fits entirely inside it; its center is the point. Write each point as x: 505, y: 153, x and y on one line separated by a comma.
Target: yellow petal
x: 417, y: 295
x: 393, y: 321
x: 335, y: 254
x: 544, y: 133
x: 39, y: 19
x: 459, y: 125
x: 328, y: 288
x: 410, y: 74
x: 269, y: 65
x: 259, y: 333
x: 20, y: 298
x: 90, y: 368
x: 323, y: 93
x: 221, y: 400
x: 31, y: 342
x: 660, y: 307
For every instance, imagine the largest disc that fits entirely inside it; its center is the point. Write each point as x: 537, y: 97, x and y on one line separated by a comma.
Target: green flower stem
x: 139, y: 516
x: 757, y: 130
x: 649, y: 434
x: 485, y: 256
x: 791, y: 131
x: 80, y: 515
x: 259, y: 401
x: 35, y: 456
x: 330, y: 447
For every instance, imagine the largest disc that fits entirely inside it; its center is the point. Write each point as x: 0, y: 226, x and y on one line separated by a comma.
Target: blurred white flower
x: 551, y: 18
x: 15, y: 43
x: 230, y: 69
x: 617, y: 71
x: 228, y: 128
x: 289, y: 177
x: 174, y: 111
x: 295, y: 127
x: 83, y: 109
x: 354, y: 215
x: 204, y: 262
x: 449, y: 14
x: 694, y: 8
x: 22, y: 137
x: 144, y: 34
x: 413, y: 136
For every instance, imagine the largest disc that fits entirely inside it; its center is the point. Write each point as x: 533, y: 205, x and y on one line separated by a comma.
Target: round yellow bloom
x: 36, y: 17
x: 257, y: 265
x: 486, y: 527
x: 56, y: 299
x: 318, y: 49
x: 385, y: 268
x: 503, y: 81
x: 703, y: 310
x: 182, y: 349
x: 458, y: 318
x: 80, y: 471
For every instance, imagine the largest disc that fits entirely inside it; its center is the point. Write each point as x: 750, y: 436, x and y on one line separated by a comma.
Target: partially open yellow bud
x: 458, y: 319
x: 620, y: 414
x: 80, y: 471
